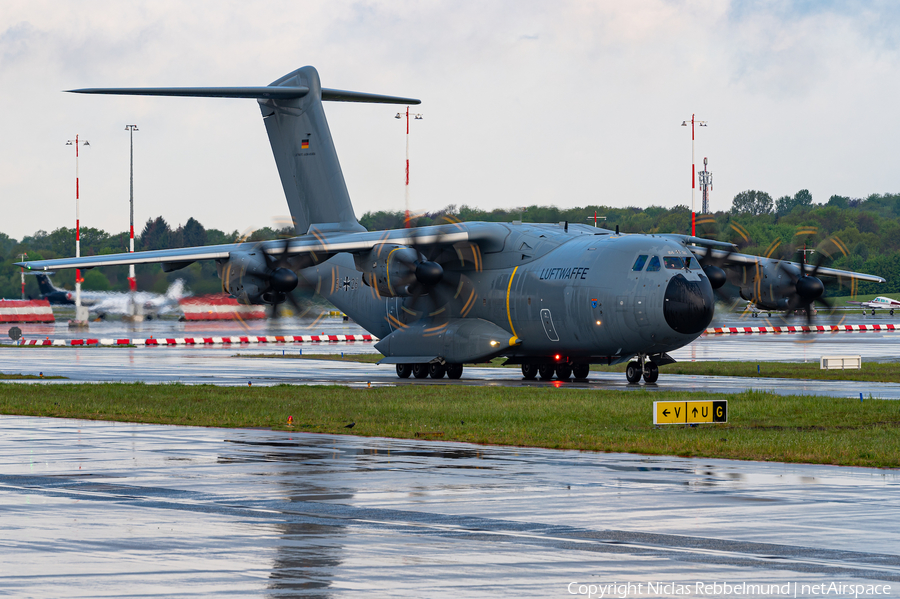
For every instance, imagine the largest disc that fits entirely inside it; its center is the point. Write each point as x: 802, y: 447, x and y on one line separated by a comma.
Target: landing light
x: 598, y: 323
x: 495, y: 343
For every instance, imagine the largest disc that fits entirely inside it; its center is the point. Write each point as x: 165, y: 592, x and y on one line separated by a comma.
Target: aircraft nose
x: 688, y: 305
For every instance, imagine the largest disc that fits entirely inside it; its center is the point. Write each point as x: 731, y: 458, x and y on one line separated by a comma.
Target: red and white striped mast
x: 132, y: 282
x: 78, y: 279
x: 693, y: 172
x: 418, y: 117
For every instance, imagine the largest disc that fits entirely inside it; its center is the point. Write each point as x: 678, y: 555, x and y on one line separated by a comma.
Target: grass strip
x: 762, y: 426
x: 23, y: 377
x: 873, y: 372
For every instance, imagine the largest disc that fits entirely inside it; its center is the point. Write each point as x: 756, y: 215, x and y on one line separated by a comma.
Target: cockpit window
x: 673, y: 262
x: 639, y: 263
x: 654, y: 264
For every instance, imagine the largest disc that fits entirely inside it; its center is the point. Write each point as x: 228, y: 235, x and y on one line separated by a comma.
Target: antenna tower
x: 705, y: 177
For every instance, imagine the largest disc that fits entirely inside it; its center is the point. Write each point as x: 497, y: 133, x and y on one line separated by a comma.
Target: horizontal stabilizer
x: 265, y: 92
x: 339, y: 95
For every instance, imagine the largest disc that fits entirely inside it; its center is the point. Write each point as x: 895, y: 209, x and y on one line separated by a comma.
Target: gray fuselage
x: 573, y: 291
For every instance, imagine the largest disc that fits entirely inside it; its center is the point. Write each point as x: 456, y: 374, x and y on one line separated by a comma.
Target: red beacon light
x: 557, y: 357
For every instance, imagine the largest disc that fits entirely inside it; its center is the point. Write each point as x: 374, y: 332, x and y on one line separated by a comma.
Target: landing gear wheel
x: 437, y: 370
x: 563, y: 372
x: 651, y: 372
x: 454, y: 371
x: 529, y: 371
x: 892, y: 312
x: 404, y: 370
x: 581, y: 371
x: 633, y: 372
x: 873, y: 312
x: 546, y: 371
x: 420, y: 371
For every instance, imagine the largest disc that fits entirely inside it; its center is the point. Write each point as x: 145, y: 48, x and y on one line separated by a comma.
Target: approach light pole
x: 418, y: 117
x: 78, y: 279
x: 693, y: 171
x: 594, y: 218
x: 132, y: 283
x: 22, y: 259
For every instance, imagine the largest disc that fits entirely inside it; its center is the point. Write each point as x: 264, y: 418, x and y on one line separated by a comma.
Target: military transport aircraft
x: 554, y: 298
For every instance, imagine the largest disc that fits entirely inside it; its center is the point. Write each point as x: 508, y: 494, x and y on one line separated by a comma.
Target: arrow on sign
x: 694, y: 412
x: 666, y: 412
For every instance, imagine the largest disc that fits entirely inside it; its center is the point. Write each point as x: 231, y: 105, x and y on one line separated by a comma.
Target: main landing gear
x: 435, y: 370
x: 563, y: 371
x: 642, y: 367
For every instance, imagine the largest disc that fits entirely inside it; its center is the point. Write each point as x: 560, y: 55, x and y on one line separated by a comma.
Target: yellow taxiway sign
x: 689, y: 412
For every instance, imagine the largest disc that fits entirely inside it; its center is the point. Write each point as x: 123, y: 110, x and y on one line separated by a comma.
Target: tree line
x: 867, y: 231
x: 860, y: 234
x: 157, y: 234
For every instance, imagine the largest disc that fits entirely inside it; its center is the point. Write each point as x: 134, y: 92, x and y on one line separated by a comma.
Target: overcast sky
x: 563, y: 103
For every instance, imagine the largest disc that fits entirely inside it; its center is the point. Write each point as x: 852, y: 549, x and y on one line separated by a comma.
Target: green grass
x: 841, y: 301
x: 22, y: 377
x: 873, y: 372
x: 761, y: 426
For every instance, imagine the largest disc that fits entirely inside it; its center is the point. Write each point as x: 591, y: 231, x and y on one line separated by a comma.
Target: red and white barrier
x: 26, y: 311
x: 219, y: 307
x: 835, y: 328
x: 207, y: 340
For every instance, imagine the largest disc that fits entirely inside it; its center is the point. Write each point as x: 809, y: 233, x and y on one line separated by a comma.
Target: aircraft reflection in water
x: 308, y: 549
x: 554, y: 298
x: 315, y: 503
x: 111, y: 302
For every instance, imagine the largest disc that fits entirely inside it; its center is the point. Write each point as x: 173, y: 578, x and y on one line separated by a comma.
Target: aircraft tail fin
x: 45, y: 285
x: 301, y: 141
x: 176, y: 290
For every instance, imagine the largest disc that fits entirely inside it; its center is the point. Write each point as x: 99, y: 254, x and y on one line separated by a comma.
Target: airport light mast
x: 418, y: 117
x: 693, y: 171
x: 705, y: 177
x: 132, y: 282
x: 78, y: 279
x: 594, y: 218
x: 22, y: 257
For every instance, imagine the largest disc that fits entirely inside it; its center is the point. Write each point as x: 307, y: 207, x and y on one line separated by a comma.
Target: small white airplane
x: 109, y: 302
x: 151, y: 305
x: 755, y: 311
x: 879, y: 303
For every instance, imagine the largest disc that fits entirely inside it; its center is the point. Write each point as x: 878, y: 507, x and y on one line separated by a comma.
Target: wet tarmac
x: 233, y: 366
x: 221, y: 364
x: 95, y: 509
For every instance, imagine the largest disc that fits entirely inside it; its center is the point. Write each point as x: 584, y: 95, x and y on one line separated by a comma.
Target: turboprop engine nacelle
x: 389, y: 268
x: 248, y: 277
x: 777, y: 285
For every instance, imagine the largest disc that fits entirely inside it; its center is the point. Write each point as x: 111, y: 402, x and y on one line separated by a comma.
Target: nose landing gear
x: 642, y: 367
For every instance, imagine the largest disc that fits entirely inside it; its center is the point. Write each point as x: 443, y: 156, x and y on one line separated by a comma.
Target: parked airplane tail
x: 176, y: 290
x: 301, y: 141
x: 45, y: 285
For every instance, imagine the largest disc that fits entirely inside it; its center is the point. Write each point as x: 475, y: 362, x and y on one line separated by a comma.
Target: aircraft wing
x: 735, y: 259
x: 319, y: 243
